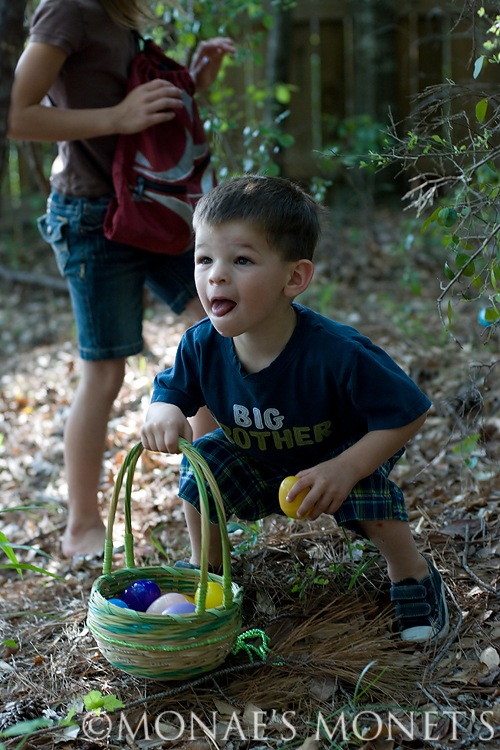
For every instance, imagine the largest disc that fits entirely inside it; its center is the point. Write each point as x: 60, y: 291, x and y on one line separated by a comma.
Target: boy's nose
x: 218, y: 274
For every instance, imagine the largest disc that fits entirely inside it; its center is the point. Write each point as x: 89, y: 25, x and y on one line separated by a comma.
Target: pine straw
x: 346, y: 643
x: 338, y: 654
x: 330, y: 629
x: 327, y: 621
x: 328, y: 643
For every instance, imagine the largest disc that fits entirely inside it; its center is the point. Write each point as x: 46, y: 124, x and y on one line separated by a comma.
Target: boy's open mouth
x: 221, y: 307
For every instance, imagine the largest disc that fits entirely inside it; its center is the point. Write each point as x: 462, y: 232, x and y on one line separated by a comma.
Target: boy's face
x: 240, y: 279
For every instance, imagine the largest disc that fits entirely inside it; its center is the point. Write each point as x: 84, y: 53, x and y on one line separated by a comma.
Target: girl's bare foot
x: 84, y: 539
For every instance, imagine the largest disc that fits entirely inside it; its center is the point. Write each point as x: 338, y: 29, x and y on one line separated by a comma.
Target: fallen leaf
x: 490, y: 657
x: 225, y: 709
x: 380, y: 743
x: 310, y: 743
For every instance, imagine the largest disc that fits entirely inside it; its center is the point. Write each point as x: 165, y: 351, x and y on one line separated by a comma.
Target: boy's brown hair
x: 288, y: 216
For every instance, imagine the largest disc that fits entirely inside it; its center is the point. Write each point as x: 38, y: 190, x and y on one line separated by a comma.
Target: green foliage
x: 354, y: 138
x: 251, y: 532
x: 453, y: 156
x: 10, y: 643
x: 355, y: 146
x: 26, y: 729
x: 492, y: 45
x: 468, y: 449
x: 245, y: 128
x: 303, y: 579
x: 351, y: 708
x: 9, y: 550
x: 95, y: 701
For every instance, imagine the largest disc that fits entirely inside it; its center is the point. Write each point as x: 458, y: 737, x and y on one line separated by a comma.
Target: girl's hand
x: 207, y: 60
x: 164, y: 425
x: 29, y: 119
x: 148, y: 104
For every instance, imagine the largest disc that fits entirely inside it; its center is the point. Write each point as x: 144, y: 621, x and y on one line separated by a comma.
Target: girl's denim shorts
x: 106, y: 279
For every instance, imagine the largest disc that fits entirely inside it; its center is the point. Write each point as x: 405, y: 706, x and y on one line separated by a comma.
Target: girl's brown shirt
x: 93, y: 75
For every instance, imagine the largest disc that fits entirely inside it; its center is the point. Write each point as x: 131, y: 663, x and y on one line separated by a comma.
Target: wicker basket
x: 165, y: 647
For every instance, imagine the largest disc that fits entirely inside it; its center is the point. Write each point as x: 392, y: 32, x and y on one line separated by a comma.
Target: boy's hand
x: 164, y: 425
x: 329, y: 483
x: 332, y: 481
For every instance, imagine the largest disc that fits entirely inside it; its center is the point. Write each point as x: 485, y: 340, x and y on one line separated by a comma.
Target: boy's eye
x: 242, y: 261
x: 203, y: 260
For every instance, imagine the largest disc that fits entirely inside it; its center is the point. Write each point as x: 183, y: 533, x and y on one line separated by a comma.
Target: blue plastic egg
x: 118, y: 603
x: 181, y: 608
x: 140, y: 594
x: 482, y: 320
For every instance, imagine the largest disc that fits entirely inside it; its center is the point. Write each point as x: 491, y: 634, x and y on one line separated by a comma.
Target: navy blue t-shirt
x: 329, y: 386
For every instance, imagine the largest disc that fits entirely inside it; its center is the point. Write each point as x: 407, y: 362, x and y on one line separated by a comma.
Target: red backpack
x: 160, y: 173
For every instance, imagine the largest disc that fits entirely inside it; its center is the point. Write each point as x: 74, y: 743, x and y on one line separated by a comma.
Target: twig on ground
x: 469, y: 571
x: 236, y: 669
x: 36, y: 279
x: 452, y: 637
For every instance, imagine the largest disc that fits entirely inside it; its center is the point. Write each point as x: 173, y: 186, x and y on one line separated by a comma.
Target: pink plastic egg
x: 165, y: 601
x: 181, y: 608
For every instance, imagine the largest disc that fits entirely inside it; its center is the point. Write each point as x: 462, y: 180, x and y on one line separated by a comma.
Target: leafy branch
x: 451, y: 157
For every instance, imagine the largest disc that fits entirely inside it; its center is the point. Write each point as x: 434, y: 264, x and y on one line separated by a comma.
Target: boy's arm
x: 164, y: 425
x: 331, y: 481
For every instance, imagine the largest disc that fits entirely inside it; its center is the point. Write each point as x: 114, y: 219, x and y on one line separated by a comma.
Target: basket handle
x: 204, y: 478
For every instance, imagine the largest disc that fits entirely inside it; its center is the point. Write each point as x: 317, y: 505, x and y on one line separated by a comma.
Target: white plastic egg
x: 165, y: 601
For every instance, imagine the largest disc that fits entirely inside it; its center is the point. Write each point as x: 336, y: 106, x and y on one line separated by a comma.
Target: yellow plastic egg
x: 290, y: 509
x: 215, y: 595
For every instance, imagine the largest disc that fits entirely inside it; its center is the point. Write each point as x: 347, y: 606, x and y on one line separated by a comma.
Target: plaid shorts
x: 249, y: 488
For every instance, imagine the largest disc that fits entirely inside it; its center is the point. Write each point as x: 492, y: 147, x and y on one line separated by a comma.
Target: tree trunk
x: 11, y: 40
x: 278, y: 49
x: 374, y: 58
x: 277, y: 67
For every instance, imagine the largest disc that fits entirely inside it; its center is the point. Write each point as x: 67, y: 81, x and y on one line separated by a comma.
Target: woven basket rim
x: 151, y: 570
x: 184, y: 644
x: 204, y: 480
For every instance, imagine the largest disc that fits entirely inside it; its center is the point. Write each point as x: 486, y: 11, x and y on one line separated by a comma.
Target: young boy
x: 293, y: 392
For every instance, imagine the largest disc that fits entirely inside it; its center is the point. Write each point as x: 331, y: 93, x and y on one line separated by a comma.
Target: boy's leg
x: 396, y: 544
x: 417, y: 588
x: 202, y: 423
x: 84, y: 443
x: 376, y: 507
x: 246, y: 488
x: 193, y: 521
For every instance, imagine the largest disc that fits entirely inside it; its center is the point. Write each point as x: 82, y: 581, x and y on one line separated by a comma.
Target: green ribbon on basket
x: 259, y: 651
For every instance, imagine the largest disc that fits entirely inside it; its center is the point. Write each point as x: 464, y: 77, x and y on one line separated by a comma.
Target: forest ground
x: 320, y: 595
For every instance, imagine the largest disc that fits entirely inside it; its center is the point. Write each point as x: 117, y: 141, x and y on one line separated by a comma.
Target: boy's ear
x: 301, y: 275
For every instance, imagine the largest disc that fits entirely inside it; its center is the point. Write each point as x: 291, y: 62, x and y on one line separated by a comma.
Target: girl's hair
x: 289, y: 217
x: 131, y: 14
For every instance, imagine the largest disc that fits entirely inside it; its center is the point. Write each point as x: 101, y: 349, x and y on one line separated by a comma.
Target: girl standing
x: 70, y: 87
